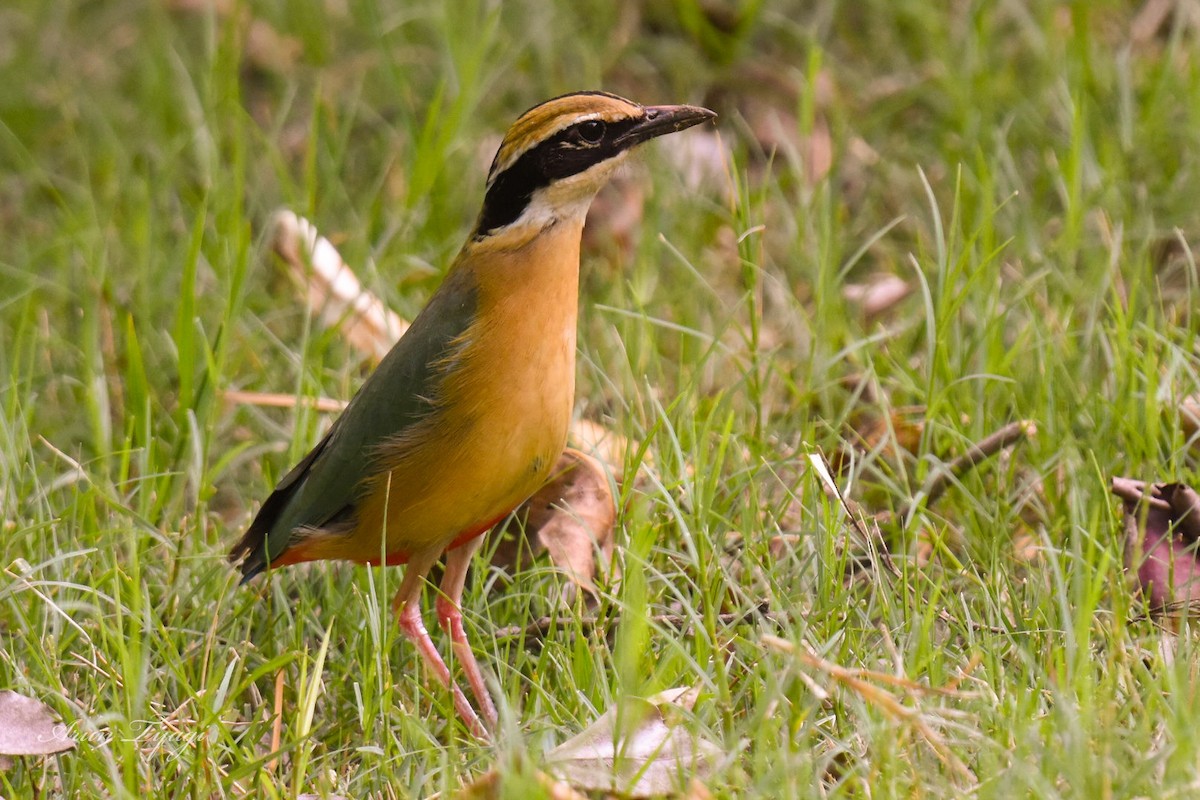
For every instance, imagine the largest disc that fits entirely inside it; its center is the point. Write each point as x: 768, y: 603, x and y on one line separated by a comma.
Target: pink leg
x: 449, y: 605
x: 407, y: 607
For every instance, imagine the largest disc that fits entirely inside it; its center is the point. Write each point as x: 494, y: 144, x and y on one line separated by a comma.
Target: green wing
x: 324, y: 486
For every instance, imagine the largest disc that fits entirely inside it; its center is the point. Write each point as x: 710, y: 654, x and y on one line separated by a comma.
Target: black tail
x: 252, y: 549
x: 255, y: 544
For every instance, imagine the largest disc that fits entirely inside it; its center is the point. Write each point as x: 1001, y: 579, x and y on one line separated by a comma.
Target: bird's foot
x: 450, y: 618
x: 413, y: 627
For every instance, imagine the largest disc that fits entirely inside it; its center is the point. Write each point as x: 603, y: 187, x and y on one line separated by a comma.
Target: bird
x: 466, y: 415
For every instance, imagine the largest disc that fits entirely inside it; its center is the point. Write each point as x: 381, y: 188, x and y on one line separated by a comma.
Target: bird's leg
x: 407, y: 608
x: 449, y: 611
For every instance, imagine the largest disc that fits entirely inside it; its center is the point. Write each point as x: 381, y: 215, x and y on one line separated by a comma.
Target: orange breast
x: 503, y: 416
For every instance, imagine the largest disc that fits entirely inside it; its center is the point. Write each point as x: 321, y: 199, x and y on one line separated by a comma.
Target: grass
x: 1028, y: 169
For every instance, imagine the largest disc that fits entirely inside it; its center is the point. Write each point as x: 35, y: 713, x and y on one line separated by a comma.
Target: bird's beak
x: 661, y: 120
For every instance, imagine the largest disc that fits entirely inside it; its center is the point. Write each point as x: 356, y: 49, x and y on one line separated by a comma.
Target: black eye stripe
x: 566, y: 153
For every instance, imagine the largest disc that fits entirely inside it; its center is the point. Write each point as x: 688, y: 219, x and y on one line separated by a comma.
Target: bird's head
x: 559, y: 153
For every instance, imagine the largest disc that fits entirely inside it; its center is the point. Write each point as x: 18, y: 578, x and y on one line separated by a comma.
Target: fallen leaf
x: 572, y: 517
x: 1189, y: 415
x: 878, y: 294
x: 1026, y: 548
x: 331, y: 288
x: 697, y: 791
x: 269, y: 50
x: 702, y: 163
x: 492, y: 786
x: 603, y: 443
x: 1162, y: 531
x: 28, y: 728
x: 646, y: 757
x: 1151, y: 21
x: 891, y: 435
x: 767, y: 96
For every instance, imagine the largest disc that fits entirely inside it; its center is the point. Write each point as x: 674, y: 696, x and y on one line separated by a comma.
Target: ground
x: 1023, y: 176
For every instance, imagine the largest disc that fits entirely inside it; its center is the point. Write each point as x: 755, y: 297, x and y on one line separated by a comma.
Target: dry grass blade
x: 332, y: 290
x: 863, y: 682
x: 870, y: 539
x: 326, y: 405
x: 277, y: 722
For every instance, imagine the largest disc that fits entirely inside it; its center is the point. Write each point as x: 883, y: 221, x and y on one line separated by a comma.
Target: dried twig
x: 326, y: 405
x: 863, y: 683
x: 941, y: 479
x: 1138, y: 492
x: 277, y: 723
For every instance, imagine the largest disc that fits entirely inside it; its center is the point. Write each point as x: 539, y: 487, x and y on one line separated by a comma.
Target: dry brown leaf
x: 878, y: 294
x: 269, y: 50
x: 767, y: 94
x: 331, y: 288
x: 1026, y: 548
x: 605, y: 444
x: 902, y: 428
x: 1189, y: 415
x: 890, y: 433
x: 572, y: 516
x: 697, y: 791
x: 783, y: 544
x: 491, y: 786
x: 644, y: 755
x: 28, y: 728
x: 1150, y: 21
x: 1162, y: 534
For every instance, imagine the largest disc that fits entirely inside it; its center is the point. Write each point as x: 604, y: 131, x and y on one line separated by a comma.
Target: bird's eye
x: 591, y: 131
